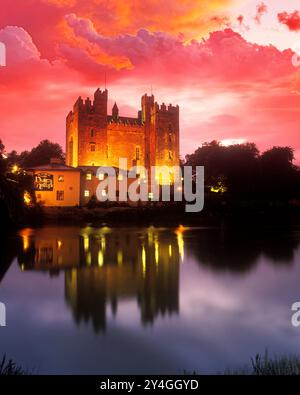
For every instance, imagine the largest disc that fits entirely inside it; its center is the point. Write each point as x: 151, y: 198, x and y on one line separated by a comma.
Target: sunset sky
x: 227, y: 63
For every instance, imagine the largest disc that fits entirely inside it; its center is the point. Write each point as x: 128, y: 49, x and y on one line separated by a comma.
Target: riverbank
x: 172, y: 215
x: 259, y: 366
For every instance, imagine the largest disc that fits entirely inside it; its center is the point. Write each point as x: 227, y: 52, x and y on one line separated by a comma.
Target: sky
x: 231, y: 65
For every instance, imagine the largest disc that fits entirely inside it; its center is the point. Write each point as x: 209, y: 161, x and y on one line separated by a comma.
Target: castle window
x: 70, y: 162
x: 88, y: 176
x: 92, y: 147
x: 170, y: 155
x: 60, y: 178
x: 86, y: 193
x: 120, y: 177
x: 107, y: 151
x: 137, y: 153
x: 101, y: 176
x: 93, y: 133
x: 60, y: 195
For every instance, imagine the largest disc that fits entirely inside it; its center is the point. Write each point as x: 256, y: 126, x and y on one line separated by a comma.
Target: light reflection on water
x: 152, y: 300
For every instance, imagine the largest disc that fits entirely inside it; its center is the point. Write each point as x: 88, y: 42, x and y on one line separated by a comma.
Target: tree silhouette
x: 39, y: 155
x: 245, y: 174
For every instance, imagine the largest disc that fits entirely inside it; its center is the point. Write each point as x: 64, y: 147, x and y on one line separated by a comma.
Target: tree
x: 39, y: 155
x: 280, y: 178
x: 1, y: 147
x: 278, y: 157
x: 2, y: 160
x: 231, y: 168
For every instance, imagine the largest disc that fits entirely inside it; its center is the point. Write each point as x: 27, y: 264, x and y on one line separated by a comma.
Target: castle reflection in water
x: 102, y: 267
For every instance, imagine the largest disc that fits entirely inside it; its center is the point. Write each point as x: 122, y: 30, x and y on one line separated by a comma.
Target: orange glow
x: 26, y: 234
x: 27, y: 198
x: 179, y: 232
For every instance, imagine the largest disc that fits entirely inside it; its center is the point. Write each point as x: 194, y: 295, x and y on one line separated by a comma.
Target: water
x: 147, y: 300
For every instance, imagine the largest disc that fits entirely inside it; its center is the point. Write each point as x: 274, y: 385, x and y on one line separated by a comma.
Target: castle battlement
x: 95, y: 138
x: 163, y: 108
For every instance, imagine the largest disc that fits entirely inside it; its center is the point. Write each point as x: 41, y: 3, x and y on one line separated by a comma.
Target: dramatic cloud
x: 240, y: 19
x: 291, y: 20
x: 228, y: 87
x: 261, y: 9
x: 19, y: 44
x: 225, y: 55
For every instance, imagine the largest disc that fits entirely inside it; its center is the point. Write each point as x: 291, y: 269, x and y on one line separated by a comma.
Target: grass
x: 260, y: 366
x: 10, y: 368
x: 263, y: 365
x: 284, y: 365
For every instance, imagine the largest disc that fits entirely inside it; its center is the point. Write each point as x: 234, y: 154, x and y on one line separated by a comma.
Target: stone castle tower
x: 94, y: 138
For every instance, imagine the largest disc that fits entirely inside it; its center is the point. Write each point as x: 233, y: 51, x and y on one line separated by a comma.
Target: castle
x: 94, y: 138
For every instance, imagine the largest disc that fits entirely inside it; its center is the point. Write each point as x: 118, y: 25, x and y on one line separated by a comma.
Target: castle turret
x: 115, y: 112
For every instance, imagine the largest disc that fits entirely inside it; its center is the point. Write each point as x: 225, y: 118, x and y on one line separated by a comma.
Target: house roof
x: 54, y: 167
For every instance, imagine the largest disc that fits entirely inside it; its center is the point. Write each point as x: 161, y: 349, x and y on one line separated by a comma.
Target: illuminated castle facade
x: 94, y: 138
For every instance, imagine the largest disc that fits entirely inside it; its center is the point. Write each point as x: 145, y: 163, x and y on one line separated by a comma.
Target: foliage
x: 10, y: 368
x: 284, y: 365
x: 13, y: 186
x: 245, y: 173
x: 39, y: 155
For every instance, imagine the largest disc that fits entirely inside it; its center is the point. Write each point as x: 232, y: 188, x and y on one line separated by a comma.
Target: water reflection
x: 240, y: 251
x: 102, y: 267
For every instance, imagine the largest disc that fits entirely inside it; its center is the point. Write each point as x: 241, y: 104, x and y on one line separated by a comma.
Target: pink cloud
x: 240, y: 19
x: 19, y: 44
x: 225, y: 55
x: 227, y: 87
x: 261, y: 9
x: 291, y: 20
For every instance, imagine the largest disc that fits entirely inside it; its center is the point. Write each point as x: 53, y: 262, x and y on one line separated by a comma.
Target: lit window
x: 60, y: 178
x: 86, y: 193
x: 89, y: 176
x: 120, y: 177
x: 103, y: 192
x: 101, y: 176
x: 60, y: 195
x: 150, y: 195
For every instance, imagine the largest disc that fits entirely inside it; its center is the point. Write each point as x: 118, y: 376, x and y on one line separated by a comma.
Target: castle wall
x: 92, y: 130
x: 72, y: 139
x: 95, y: 139
x: 123, y: 142
x: 166, y: 121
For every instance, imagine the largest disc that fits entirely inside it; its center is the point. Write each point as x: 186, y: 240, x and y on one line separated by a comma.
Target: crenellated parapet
x: 166, y: 109
x: 95, y: 138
